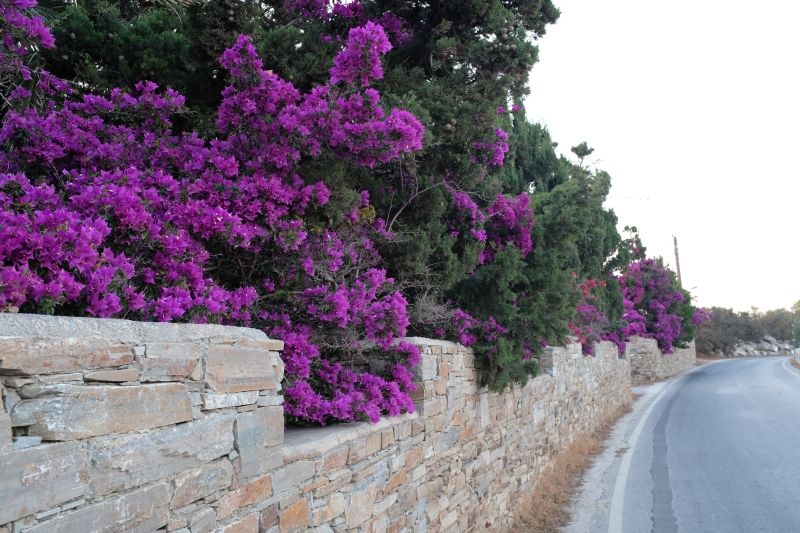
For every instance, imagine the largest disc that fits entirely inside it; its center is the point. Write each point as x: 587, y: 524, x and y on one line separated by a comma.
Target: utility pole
x: 677, y: 261
x: 794, y: 341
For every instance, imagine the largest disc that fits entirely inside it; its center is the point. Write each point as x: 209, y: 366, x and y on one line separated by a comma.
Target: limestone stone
x: 269, y: 517
x: 70, y: 412
x: 171, y: 361
x: 373, y: 443
x: 248, y: 524
x: 128, y: 374
x: 141, y: 511
x: 20, y: 443
x: 361, y: 503
x: 219, y: 401
x: 248, y: 494
x: 203, y: 522
x: 24, y: 355
x: 122, y: 463
x: 242, y: 367
x: 334, y: 460
x: 57, y: 378
x: 201, y: 482
x: 293, y: 474
x: 449, y: 519
x: 334, y: 508
x: 39, y: 478
x: 294, y: 518
x: 396, y: 481
x: 383, y: 505
x: 5, y: 430
x: 258, y: 436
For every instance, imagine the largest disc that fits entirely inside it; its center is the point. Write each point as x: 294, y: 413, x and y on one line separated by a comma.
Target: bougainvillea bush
x: 656, y: 307
x: 107, y: 213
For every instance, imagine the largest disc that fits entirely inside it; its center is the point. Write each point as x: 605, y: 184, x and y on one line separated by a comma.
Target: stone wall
x: 648, y: 364
x: 131, y: 427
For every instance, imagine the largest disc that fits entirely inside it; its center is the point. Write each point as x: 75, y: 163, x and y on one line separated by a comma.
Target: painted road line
x: 793, y: 372
x: 618, y: 499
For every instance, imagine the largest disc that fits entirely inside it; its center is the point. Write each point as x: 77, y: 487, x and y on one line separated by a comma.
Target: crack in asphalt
x: 663, y: 515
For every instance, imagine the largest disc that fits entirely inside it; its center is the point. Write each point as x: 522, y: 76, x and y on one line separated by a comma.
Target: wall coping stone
x: 126, y: 331
x: 432, y: 342
x: 315, y: 441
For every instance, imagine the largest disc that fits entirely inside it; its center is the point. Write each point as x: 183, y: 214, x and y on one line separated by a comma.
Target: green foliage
x: 729, y: 327
x: 465, y: 60
x: 531, y: 296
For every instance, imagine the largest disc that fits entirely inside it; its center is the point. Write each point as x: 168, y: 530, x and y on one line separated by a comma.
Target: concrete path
x: 715, y: 450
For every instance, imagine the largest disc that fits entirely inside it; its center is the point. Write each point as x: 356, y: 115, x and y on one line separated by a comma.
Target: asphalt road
x: 716, y: 450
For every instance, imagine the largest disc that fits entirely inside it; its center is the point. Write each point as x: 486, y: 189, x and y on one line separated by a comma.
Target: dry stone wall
x: 115, y: 426
x: 648, y: 364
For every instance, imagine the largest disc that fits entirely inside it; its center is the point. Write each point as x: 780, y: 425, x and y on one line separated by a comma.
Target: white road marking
x: 795, y: 373
x: 618, y: 499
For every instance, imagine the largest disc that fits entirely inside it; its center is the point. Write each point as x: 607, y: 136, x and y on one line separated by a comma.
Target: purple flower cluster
x: 649, y: 297
x: 510, y: 221
x: 348, y: 15
x: 463, y: 327
x: 103, y: 210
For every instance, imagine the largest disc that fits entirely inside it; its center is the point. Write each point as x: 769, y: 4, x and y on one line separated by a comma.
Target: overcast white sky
x: 695, y: 106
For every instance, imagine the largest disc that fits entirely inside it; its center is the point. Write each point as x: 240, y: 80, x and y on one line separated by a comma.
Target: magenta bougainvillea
x: 106, y: 212
x: 655, y: 307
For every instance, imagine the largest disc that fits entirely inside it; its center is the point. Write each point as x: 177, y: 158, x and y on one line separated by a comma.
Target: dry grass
x: 795, y: 363
x: 703, y: 360
x: 546, y: 509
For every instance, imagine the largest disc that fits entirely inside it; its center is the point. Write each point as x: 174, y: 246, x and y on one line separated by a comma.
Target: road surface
x: 716, y: 450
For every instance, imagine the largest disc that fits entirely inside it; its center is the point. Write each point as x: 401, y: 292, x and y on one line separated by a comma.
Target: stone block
x: 20, y: 443
x: 57, y: 378
x: 332, y: 486
x: 449, y: 519
x: 334, y: 460
x: 70, y: 412
x: 201, y: 482
x: 248, y: 494
x: 128, y: 374
x: 25, y: 355
x: 358, y: 451
x: 171, y: 361
x: 387, y: 438
x: 238, y: 368
x: 130, y: 461
x: 396, y: 481
x: 373, y: 443
x: 269, y: 518
x: 334, y: 508
x: 382, y: 506
x: 292, y: 475
x: 40, y: 478
x: 248, y: 524
x: 203, y: 522
x: 414, y: 456
x: 219, y: 401
x: 361, y: 503
x: 140, y: 511
x: 294, y: 518
x: 5, y: 430
x: 258, y: 436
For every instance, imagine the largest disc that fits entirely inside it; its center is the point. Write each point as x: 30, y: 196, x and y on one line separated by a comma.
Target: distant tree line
x: 729, y: 327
